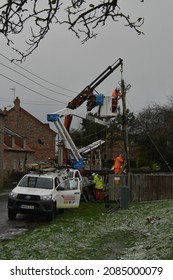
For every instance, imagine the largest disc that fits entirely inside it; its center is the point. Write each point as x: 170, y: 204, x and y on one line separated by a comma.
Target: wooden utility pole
x: 125, y: 124
x: 124, y: 201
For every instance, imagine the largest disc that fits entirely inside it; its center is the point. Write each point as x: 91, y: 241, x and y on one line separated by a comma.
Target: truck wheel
x: 11, y: 215
x: 60, y: 210
x: 51, y: 215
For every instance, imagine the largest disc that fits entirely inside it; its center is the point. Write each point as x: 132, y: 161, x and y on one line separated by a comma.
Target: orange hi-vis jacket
x: 117, y: 164
x: 116, y: 93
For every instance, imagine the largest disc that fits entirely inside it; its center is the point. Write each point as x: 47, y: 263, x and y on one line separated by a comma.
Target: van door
x: 68, y: 193
x: 78, y: 175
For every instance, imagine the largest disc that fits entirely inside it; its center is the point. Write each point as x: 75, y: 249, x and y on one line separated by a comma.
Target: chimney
x: 17, y: 104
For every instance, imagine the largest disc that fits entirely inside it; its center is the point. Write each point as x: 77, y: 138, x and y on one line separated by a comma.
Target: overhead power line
x: 31, y: 73
x: 153, y: 143
x: 32, y: 89
x: 34, y: 81
x: 33, y: 103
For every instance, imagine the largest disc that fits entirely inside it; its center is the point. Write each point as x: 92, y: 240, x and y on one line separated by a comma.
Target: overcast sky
x: 62, y: 60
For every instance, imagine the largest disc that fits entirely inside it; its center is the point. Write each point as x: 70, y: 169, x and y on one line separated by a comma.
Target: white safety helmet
x: 117, y: 88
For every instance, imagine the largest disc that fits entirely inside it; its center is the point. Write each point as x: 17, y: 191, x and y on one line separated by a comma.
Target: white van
x: 43, y: 194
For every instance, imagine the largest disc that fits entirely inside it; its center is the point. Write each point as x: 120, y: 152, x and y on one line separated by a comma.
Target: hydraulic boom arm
x: 87, y: 92
x: 85, y: 95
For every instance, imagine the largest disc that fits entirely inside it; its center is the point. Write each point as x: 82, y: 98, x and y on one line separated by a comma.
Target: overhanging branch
x: 82, y: 18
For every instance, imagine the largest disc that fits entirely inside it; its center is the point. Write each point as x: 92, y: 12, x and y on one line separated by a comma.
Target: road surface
x: 8, y: 229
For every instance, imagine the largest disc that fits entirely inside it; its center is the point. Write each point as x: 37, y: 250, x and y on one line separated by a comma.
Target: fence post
x: 124, y: 199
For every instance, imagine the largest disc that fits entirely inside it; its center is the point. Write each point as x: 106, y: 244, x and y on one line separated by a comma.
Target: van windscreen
x: 36, y: 182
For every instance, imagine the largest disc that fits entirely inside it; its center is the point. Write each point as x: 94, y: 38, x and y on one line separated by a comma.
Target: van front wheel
x: 51, y: 215
x: 11, y: 214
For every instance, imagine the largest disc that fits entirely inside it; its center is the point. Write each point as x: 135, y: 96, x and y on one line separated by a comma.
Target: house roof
x: 2, y: 113
x: 17, y: 104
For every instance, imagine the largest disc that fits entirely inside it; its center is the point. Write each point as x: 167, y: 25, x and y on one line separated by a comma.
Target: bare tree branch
x: 82, y: 18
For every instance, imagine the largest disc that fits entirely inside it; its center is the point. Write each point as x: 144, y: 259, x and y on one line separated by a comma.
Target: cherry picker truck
x: 93, y: 100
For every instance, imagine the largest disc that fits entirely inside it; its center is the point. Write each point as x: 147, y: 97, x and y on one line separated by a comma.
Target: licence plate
x: 27, y: 206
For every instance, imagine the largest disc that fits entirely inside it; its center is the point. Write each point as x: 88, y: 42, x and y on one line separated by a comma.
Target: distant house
x: 37, y: 135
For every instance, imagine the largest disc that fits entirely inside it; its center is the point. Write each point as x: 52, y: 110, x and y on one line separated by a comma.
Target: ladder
x: 123, y: 167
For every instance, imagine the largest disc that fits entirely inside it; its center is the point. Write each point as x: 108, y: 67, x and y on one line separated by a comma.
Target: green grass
x: 144, y: 231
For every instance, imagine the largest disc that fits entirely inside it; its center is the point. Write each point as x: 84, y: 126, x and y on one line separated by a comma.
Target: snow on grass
x: 144, y: 231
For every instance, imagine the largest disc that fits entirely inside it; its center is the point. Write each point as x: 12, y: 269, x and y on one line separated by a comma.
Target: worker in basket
x: 116, y: 94
x: 118, y: 161
x: 98, y: 181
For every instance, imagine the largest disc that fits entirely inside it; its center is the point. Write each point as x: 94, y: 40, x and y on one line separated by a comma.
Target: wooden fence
x: 143, y: 187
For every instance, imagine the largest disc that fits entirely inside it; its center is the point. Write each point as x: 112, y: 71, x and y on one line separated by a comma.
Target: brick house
x: 16, y: 152
x: 38, y: 136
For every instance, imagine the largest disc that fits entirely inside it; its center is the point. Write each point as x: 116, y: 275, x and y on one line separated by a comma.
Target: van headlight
x: 13, y: 195
x: 46, y: 197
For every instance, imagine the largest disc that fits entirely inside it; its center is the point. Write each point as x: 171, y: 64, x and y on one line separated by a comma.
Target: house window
x: 4, y: 164
x: 13, y: 142
x: 21, y: 164
x: 14, y: 164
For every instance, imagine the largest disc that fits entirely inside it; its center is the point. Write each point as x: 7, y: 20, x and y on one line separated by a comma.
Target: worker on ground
x: 98, y: 185
x: 116, y: 94
x: 118, y: 163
